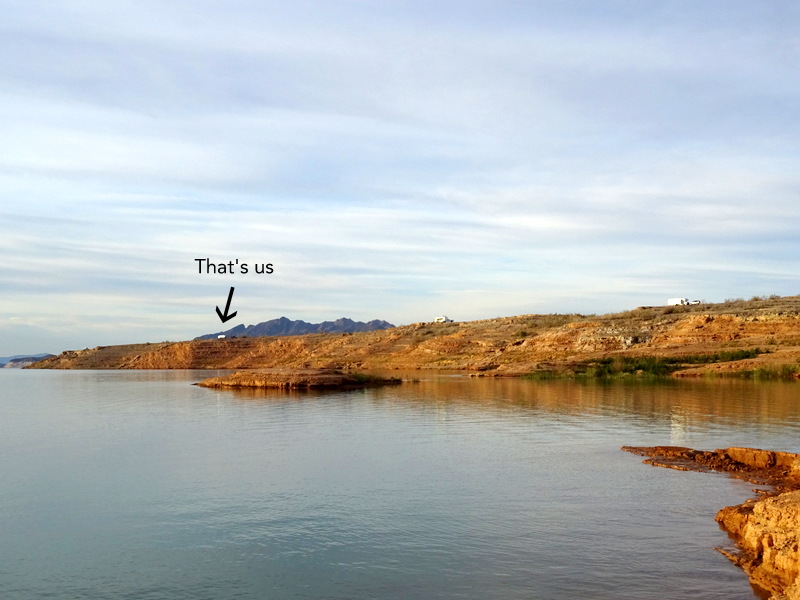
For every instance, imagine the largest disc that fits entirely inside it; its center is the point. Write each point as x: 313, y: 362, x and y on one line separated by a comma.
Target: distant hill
x: 284, y: 326
x: 21, y: 360
x: 754, y: 338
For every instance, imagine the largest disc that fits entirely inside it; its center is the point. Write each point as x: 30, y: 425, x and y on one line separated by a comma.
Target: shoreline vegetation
x: 757, y: 339
x: 765, y: 529
x: 647, y: 366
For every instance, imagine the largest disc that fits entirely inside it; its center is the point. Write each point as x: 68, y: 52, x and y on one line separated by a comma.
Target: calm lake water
x: 139, y: 485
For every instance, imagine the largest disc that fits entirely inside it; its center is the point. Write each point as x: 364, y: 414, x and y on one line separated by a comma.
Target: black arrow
x: 225, y: 317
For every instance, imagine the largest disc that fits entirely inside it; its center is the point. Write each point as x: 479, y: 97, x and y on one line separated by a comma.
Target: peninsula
x: 758, y: 337
x: 303, y: 379
x: 765, y: 529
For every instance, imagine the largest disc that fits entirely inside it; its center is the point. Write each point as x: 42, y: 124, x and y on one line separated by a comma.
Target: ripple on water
x: 139, y: 485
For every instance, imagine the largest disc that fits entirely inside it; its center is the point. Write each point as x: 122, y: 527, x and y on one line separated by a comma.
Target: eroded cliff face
x: 766, y: 530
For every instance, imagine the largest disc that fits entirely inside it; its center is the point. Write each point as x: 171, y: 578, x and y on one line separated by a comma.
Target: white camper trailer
x: 681, y: 302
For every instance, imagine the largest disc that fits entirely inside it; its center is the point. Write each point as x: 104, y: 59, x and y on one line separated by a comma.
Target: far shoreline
x: 757, y: 339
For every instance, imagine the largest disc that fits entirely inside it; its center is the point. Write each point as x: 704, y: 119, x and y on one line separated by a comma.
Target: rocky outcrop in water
x: 766, y: 529
x: 295, y: 379
x: 763, y: 467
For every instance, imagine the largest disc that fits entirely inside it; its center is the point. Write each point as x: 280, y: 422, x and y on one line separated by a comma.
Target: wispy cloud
x: 392, y: 159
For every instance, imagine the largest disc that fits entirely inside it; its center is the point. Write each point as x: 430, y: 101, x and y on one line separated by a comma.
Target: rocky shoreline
x: 766, y: 529
x: 296, y: 379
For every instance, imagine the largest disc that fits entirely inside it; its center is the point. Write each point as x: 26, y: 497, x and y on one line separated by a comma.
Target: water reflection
x: 139, y: 484
x: 729, y: 412
x: 686, y: 406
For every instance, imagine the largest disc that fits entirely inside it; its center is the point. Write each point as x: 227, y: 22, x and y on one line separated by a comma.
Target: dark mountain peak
x: 285, y: 326
x: 22, y: 360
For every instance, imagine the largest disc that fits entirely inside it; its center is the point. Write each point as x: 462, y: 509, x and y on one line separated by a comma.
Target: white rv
x: 681, y: 301
x: 443, y: 319
x: 677, y: 301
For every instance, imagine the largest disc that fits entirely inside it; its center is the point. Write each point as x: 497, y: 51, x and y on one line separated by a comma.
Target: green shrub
x: 783, y: 372
x: 645, y: 366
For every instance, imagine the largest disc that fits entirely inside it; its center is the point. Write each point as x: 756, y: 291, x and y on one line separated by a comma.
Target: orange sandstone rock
x: 766, y: 530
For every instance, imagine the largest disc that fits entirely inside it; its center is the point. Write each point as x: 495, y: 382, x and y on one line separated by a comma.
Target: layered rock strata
x: 766, y: 529
x: 767, y: 532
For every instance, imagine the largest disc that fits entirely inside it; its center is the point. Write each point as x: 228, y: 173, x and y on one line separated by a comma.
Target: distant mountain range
x: 284, y: 326
x: 21, y: 360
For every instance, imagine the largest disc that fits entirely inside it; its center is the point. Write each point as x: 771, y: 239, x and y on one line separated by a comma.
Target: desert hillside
x: 756, y: 336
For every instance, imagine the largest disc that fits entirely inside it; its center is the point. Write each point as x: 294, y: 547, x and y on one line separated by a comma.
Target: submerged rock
x: 764, y: 467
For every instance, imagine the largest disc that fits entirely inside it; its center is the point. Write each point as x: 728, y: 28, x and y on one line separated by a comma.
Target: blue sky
x: 392, y: 160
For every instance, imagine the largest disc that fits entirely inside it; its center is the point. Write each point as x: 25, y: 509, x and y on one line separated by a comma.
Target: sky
x: 394, y: 160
